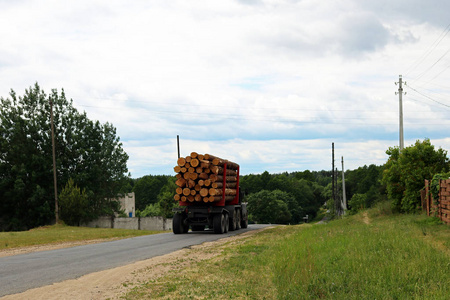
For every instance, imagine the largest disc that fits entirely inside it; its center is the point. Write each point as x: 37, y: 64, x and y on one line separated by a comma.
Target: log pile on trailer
x: 208, y: 195
x: 206, y: 178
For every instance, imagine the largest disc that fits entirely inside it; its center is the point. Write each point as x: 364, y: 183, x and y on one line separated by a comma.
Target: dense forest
x: 274, y: 198
x: 287, y: 198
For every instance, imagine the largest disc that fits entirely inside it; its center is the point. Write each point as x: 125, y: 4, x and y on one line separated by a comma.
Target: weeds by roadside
x: 392, y: 257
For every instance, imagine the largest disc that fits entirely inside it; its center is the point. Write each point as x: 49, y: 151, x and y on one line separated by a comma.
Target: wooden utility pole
x: 54, y: 163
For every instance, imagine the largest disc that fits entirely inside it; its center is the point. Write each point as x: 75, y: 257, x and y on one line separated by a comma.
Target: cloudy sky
x: 269, y: 84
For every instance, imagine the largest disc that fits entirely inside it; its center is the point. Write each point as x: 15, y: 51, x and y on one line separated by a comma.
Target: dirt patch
x: 366, y: 219
x: 113, y: 283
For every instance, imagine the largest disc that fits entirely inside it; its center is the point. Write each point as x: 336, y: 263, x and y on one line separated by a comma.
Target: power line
x: 429, y: 50
x: 423, y: 102
x: 428, y: 97
x: 439, y: 59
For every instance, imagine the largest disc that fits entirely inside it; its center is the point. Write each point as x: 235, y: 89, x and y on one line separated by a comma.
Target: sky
x: 268, y: 84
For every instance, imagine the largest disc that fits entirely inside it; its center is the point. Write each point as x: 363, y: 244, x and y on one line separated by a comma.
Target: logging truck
x: 208, y: 195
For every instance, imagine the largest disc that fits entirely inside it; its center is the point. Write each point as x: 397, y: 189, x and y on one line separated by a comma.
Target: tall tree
x: 406, y: 171
x: 86, y: 151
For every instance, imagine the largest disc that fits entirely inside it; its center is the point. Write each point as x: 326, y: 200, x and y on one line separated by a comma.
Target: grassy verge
x: 392, y: 257
x: 61, y: 233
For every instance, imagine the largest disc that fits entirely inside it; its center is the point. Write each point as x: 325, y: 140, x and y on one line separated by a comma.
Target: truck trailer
x: 219, y: 205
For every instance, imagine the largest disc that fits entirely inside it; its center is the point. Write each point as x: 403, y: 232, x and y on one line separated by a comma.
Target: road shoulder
x: 113, y: 283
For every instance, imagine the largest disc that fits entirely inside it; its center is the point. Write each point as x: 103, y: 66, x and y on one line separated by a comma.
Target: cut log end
x: 181, y: 161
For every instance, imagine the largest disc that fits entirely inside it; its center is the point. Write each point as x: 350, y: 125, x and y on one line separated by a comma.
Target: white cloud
x: 268, y: 83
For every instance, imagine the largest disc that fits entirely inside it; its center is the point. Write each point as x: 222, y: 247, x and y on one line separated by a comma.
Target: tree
x: 307, y: 175
x: 406, y: 171
x: 87, y: 151
x: 74, y: 204
x: 165, y: 198
x: 365, y: 180
x: 357, y: 202
x: 270, y: 206
x: 147, y: 189
x: 151, y: 210
x: 251, y: 183
x: 278, y: 182
x: 306, y: 195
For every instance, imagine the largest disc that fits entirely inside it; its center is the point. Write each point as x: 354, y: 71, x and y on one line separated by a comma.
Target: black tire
x: 218, y: 223
x: 178, y: 224
x: 226, y: 223
x: 244, y: 224
x: 238, y: 219
x: 232, y: 222
x: 198, y: 227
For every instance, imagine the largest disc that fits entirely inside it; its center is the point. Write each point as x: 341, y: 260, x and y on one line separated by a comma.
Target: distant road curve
x: 22, y: 272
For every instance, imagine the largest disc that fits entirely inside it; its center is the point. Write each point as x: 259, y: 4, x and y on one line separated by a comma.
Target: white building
x: 127, y: 203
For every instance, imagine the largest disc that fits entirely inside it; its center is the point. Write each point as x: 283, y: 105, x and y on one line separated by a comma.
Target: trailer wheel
x: 238, y: 219
x: 232, y: 222
x: 226, y: 223
x: 219, y: 223
x: 244, y: 224
x: 178, y: 224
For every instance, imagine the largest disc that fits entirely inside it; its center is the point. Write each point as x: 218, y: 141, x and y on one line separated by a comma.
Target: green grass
x: 392, y: 257
x: 61, y: 233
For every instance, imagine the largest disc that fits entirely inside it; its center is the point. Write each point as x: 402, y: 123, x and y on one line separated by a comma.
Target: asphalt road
x: 22, y: 272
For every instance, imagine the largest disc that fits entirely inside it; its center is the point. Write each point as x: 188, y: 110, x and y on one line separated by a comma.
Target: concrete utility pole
x: 333, y: 194
x: 338, y: 202
x: 54, y: 164
x: 400, y: 93
x: 344, y: 197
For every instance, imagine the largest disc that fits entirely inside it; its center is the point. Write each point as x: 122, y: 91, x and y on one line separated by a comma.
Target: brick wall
x: 442, y: 208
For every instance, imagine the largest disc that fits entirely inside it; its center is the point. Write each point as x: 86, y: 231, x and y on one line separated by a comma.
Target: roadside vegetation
x: 373, y: 254
x: 55, y: 234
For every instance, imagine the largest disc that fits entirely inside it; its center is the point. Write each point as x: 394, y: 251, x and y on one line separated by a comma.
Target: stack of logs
x: 200, y: 178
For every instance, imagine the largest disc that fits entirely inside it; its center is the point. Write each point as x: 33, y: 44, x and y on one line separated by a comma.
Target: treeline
x: 290, y: 197
x: 273, y: 198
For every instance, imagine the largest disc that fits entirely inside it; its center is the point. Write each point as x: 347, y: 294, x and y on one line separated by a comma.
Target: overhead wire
x: 428, y: 51
x: 429, y: 68
x: 428, y: 97
x: 423, y: 102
